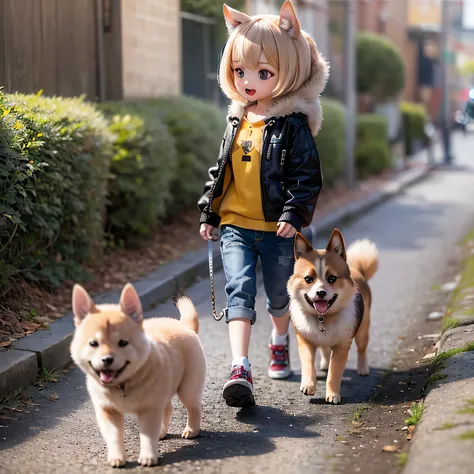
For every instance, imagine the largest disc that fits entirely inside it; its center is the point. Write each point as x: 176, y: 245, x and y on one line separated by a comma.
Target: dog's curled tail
x: 187, y: 311
x: 364, y: 256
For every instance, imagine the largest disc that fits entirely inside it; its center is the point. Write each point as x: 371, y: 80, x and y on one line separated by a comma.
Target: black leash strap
x: 216, y: 316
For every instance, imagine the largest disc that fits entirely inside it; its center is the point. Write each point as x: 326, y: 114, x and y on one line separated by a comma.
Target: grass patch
x: 468, y: 409
x: 440, y: 358
x: 402, y: 459
x: 436, y: 377
x: 449, y: 323
x: 415, y: 411
x: 356, y: 416
x: 446, y: 426
x: 340, y: 438
x: 468, y: 435
x: 45, y: 376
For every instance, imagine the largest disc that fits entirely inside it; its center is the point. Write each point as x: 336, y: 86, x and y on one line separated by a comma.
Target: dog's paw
x: 334, y: 398
x: 116, y: 461
x: 308, y: 388
x: 189, y: 433
x: 363, y: 369
x: 148, y: 460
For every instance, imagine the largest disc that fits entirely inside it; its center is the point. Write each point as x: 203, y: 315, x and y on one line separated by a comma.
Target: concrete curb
x: 49, y: 349
x: 440, y: 443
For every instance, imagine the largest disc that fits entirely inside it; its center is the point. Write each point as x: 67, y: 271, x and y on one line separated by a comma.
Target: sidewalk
x: 49, y: 349
x: 443, y: 440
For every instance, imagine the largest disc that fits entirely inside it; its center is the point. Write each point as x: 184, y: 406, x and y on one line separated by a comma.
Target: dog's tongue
x: 321, y: 306
x: 106, y: 376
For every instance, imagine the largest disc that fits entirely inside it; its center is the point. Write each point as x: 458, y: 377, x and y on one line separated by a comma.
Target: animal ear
x: 336, y: 244
x: 82, y: 304
x: 233, y: 18
x: 130, y: 303
x: 302, y: 246
x: 288, y: 20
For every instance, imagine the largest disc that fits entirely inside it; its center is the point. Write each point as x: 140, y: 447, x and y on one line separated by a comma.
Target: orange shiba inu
x: 136, y: 366
x: 330, y: 305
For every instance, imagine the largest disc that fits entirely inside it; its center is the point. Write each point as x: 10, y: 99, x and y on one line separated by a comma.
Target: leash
x: 216, y: 316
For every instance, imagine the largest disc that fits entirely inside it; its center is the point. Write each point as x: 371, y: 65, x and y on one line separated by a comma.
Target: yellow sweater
x: 242, y: 203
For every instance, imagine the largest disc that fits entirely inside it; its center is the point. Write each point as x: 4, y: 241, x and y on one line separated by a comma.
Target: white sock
x: 241, y: 361
x: 278, y: 340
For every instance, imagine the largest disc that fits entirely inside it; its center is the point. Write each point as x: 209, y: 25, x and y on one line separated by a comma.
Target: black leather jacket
x: 290, y: 176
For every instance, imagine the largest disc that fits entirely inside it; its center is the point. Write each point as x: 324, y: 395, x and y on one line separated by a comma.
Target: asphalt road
x: 415, y: 233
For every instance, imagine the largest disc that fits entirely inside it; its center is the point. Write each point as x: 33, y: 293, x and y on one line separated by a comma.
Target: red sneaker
x: 280, y: 361
x: 238, y: 390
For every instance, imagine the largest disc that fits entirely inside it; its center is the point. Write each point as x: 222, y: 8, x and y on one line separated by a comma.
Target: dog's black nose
x: 321, y: 293
x: 107, y: 360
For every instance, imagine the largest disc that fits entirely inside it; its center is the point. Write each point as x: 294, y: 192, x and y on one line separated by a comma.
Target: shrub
x: 197, y: 127
x: 380, y: 67
x: 414, y: 121
x: 55, y: 155
x: 372, y: 152
x: 331, y: 140
x: 142, y: 167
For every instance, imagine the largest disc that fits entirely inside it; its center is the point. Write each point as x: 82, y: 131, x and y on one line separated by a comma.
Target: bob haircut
x: 290, y: 57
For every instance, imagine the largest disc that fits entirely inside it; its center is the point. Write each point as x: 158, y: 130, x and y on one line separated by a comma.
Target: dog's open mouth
x: 321, y: 306
x: 108, y: 376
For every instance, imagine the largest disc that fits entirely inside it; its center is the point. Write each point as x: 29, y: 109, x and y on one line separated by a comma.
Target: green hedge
x: 372, y: 152
x: 331, y: 140
x: 414, y: 121
x: 55, y: 156
x: 380, y: 67
x: 142, y: 167
x: 197, y: 128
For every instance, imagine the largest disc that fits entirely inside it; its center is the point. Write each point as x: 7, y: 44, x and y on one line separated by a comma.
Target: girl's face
x: 255, y: 84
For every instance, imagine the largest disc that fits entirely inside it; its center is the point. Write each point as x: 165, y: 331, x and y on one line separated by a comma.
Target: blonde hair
x: 290, y: 57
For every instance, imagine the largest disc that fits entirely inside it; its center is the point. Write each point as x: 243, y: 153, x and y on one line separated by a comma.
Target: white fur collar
x: 305, y: 100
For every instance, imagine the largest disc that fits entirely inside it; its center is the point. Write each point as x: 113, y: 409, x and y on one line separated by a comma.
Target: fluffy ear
x: 130, y: 303
x: 336, y: 244
x: 302, y: 246
x: 288, y: 20
x: 233, y: 18
x: 82, y: 304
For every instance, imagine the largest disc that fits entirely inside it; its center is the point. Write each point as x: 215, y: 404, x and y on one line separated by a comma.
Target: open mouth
x: 250, y: 91
x: 321, y: 306
x: 108, y: 376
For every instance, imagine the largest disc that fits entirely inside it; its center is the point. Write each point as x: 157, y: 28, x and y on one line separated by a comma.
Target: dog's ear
x: 130, y: 303
x: 336, y: 244
x: 288, y: 20
x: 82, y: 304
x: 302, y: 246
x: 233, y: 18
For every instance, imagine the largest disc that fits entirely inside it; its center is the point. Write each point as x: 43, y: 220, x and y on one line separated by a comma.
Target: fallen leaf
x: 14, y: 409
x: 53, y: 397
x: 411, y: 429
x: 391, y: 448
x: 4, y: 417
x: 30, y: 403
x: 6, y: 344
x: 357, y: 424
x: 409, y: 435
x: 432, y: 355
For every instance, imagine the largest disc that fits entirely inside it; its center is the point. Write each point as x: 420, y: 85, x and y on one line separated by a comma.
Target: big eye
x: 239, y: 72
x: 264, y: 74
x: 123, y: 343
x: 93, y: 344
x: 308, y: 279
x: 332, y: 279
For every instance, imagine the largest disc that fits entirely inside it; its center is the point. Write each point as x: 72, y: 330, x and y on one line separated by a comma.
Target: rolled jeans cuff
x: 278, y: 313
x: 240, y: 312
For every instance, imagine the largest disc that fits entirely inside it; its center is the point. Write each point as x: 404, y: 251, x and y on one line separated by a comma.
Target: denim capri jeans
x: 240, y: 250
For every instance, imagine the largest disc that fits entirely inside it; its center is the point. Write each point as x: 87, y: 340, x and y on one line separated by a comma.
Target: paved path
x: 286, y: 432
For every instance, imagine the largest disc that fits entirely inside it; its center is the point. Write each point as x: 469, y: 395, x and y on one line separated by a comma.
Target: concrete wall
x: 151, y: 45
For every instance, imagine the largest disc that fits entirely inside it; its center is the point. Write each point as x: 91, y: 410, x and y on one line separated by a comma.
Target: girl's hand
x: 286, y: 230
x: 206, y: 232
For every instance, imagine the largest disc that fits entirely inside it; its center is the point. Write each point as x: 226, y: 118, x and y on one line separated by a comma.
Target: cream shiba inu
x: 330, y: 306
x: 136, y: 366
